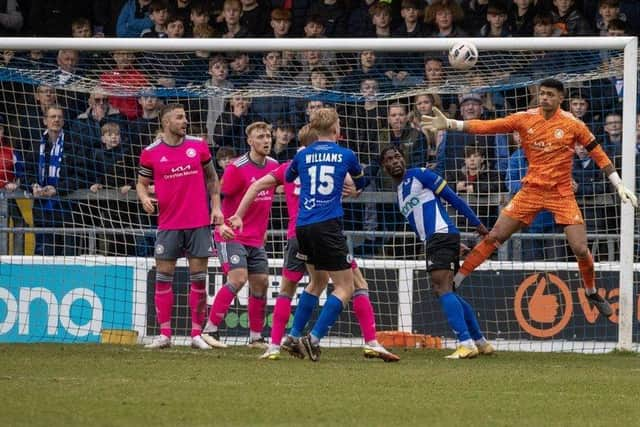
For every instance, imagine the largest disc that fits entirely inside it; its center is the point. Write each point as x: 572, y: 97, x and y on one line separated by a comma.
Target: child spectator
x: 314, y: 26
x: 124, y: 76
x: 496, y: 25
x: 280, y: 23
x: 199, y: 16
x: 241, y: 71
x: 254, y: 17
x: 608, y: 10
x: 181, y: 8
x: 411, y: 27
x: 284, y: 147
x: 133, y: 18
x: 175, y: 27
x: 381, y: 20
x: 219, y: 71
x: 224, y: 156
x: 81, y: 28
x: 334, y: 15
x: 569, y: 20
x: 543, y: 26
x: 231, y: 26
x: 476, y: 177
x: 115, y: 169
x: 158, y: 13
x: 617, y: 28
x: 443, y: 16
x: 520, y: 20
x: 425, y: 153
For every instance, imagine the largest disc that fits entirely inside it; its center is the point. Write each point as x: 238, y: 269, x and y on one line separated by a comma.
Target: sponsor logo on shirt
x: 309, y: 203
x: 408, y: 205
x: 180, y: 172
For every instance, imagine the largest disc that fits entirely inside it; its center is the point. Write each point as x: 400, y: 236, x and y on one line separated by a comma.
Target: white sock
x: 481, y: 341
x: 590, y: 291
x: 254, y: 335
x: 314, y: 340
x: 373, y: 343
x: 210, y: 327
x: 468, y: 343
x: 274, y: 347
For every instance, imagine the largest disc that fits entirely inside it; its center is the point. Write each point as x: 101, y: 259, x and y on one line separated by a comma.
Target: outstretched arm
x: 440, y: 122
x: 264, y: 183
x: 461, y: 206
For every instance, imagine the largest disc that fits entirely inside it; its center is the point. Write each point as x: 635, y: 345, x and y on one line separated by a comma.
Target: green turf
x: 98, y: 385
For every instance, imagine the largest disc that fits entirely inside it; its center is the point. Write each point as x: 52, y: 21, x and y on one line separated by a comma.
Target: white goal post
x: 629, y: 46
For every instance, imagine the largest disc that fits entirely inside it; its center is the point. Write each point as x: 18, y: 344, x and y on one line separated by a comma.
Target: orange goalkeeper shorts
x: 527, y: 202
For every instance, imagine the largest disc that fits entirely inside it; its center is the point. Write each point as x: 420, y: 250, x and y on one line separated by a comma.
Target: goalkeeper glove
x: 440, y: 122
x: 625, y: 194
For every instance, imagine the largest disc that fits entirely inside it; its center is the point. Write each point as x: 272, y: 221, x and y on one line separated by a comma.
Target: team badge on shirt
x: 159, y: 249
x: 559, y: 133
x: 191, y: 152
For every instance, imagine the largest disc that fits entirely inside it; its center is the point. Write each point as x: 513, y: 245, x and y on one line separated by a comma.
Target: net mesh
x: 86, y: 267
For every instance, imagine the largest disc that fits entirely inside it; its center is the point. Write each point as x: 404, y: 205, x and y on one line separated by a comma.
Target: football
x: 463, y: 55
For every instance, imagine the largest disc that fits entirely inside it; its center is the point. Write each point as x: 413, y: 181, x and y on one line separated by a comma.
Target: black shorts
x: 324, y: 245
x: 443, y: 252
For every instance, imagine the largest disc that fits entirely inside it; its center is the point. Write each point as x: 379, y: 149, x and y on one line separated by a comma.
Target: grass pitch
x: 101, y: 385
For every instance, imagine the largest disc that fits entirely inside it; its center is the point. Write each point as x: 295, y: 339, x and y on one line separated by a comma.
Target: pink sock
x: 197, y: 301
x: 256, y: 313
x: 164, y: 305
x: 364, y: 312
x: 281, y: 313
x: 221, y: 303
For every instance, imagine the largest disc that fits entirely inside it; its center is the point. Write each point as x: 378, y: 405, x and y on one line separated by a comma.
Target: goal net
x: 77, y: 264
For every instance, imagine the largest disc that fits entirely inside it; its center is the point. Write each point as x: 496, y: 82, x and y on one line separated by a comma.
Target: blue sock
x: 455, y: 315
x: 470, y: 319
x: 328, y: 316
x: 305, y: 308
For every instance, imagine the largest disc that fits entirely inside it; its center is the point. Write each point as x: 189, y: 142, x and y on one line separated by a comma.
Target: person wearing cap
x: 450, y: 156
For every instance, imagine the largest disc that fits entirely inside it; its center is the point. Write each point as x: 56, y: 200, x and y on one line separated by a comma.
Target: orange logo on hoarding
x: 543, y: 306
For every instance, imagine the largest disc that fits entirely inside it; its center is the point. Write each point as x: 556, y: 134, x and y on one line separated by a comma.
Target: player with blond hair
x: 242, y: 253
x: 294, y: 269
x: 548, y: 137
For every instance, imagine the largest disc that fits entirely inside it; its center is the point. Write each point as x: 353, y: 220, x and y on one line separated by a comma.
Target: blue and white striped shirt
x: 419, y: 203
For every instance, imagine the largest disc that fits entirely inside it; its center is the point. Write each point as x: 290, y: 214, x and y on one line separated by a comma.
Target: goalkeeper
x: 548, y: 136
x: 419, y: 192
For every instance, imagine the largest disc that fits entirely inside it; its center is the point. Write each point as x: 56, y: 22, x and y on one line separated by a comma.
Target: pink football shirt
x: 237, y: 178
x: 178, y: 175
x: 292, y: 196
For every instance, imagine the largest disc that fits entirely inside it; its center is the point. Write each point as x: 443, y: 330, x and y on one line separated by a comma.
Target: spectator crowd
x: 60, y: 135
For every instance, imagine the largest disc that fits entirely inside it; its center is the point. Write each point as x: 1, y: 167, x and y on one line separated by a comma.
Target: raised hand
x: 627, y: 195
x: 436, y: 122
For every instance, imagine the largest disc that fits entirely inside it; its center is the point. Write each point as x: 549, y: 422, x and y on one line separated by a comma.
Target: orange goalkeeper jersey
x: 549, y: 145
